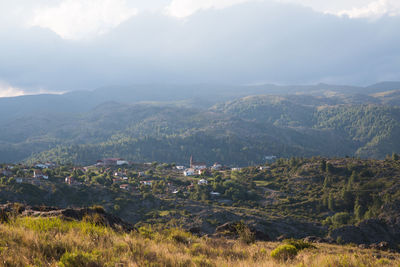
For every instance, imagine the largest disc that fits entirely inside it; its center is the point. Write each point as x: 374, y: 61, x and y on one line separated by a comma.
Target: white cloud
x: 82, y: 19
x: 351, y: 8
x: 375, y: 9
x: 184, y: 8
x: 7, y: 90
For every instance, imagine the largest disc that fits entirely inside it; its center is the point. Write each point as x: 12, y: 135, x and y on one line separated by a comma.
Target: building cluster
x: 199, y: 168
x: 112, y: 162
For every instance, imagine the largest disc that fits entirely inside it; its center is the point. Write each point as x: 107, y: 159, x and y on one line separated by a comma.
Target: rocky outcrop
x: 232, y: 229
x: 372, y: 231
x: 95, y: 215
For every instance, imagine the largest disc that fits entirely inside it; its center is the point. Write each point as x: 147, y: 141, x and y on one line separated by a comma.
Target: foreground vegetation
x: 294, y: 197
x: 28, y: 241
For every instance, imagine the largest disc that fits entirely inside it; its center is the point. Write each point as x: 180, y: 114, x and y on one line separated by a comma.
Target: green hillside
x: 239, y: 132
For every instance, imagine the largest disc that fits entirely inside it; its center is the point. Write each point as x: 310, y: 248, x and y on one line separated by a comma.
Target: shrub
x: 180, y: 236
x: 4, y: 218
x: 95, y: 219
x: 78, y: 259
x: 98, y: 208
x: 146, y: 232
x: 298, y: 244
x: 245, y: 234
x: 284, y: 252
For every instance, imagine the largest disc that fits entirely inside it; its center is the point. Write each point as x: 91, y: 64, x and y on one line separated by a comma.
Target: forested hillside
x: 230, y: 129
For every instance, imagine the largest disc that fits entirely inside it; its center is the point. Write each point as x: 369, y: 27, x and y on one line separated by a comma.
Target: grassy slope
x: 28, y: 241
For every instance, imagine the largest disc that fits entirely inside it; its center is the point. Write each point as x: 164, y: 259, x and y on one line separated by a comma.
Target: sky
x: 54, y: 46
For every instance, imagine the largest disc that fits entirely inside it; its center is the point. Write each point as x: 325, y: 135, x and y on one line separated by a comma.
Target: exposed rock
x: 317, y: 239
x: 372, y: 231
x: 380, y: 246
x: 230, y: 229
x: 96, y: 215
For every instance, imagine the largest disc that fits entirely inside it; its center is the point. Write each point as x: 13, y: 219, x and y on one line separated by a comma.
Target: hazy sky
x: 63, y: 45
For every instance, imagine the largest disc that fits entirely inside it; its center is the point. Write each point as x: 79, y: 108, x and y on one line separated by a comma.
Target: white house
x: 197, y: 165
x: 181, y: 168
x: 216, y: 194
x: 217, y: 166
x: 262, y: 168
x: 122, y: 162
x: 125, y: 186
x: 236, y: 169
x: 202, y: 182
x: 189, y: 172
x: 41, y: 166
x: 38, y: 174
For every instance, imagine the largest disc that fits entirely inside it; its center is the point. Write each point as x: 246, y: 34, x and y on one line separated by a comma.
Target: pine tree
x: 331, y: 202
x: 358, y: 210
x: 323, y: 165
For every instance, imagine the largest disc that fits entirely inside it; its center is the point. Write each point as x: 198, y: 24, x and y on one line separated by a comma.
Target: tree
x: 329, y: 168
x: 322, y: 166
x: 331, y: 202
x: 358, y: 209
x: 395, y: 156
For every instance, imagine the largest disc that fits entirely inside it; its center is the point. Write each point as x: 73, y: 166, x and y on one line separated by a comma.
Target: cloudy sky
x: 65, y: 45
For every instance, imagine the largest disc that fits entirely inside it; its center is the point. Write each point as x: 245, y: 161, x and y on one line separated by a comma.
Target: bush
x: 245, y: 234
x: 284, y: 252
x: 95, y: 219
x: 98, y: 209
x: 4, y: 218
x: 78, y: 259
x: 180, y: 236
x: 298, y: 244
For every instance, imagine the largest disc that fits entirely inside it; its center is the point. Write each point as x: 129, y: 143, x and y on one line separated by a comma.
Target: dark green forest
x: 234, y: 130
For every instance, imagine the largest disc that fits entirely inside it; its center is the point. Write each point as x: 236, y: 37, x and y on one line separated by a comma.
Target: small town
x: 119, y: 173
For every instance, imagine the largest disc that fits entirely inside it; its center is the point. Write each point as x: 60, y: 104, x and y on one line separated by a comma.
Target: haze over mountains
x: 75, y: 45
x: 233, y: 124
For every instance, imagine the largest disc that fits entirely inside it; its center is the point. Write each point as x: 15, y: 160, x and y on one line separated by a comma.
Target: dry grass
x: 53, y: 242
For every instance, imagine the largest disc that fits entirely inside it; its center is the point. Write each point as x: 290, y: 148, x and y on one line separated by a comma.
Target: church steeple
x: 191, y: 161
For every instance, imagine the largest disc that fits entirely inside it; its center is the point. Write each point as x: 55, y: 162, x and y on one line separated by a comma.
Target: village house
x: 236, y: 169
x: 215, y: 194
x: 146, y: 183
x: 69, y: 180
x: 189, y: 172
x: 181, y: 168
x: 202, y: 182
x: 263, y: 168
x: 112, y: 162
x: 117, y: 180
x: 203, y: 171
x: 216, y: 167
x: 197, y: 165
x: 270, y: 158
x: 119, y: 174
x: 126, y: 187
x: 45, y: 165
x: 39, y: 174
x: 41, y: 166
x: 6, y: 173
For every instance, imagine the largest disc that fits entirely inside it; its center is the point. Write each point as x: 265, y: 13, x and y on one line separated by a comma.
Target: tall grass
x: 27, y: 241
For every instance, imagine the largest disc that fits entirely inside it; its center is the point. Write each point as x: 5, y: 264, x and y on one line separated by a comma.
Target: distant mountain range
x: 237, y: 125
